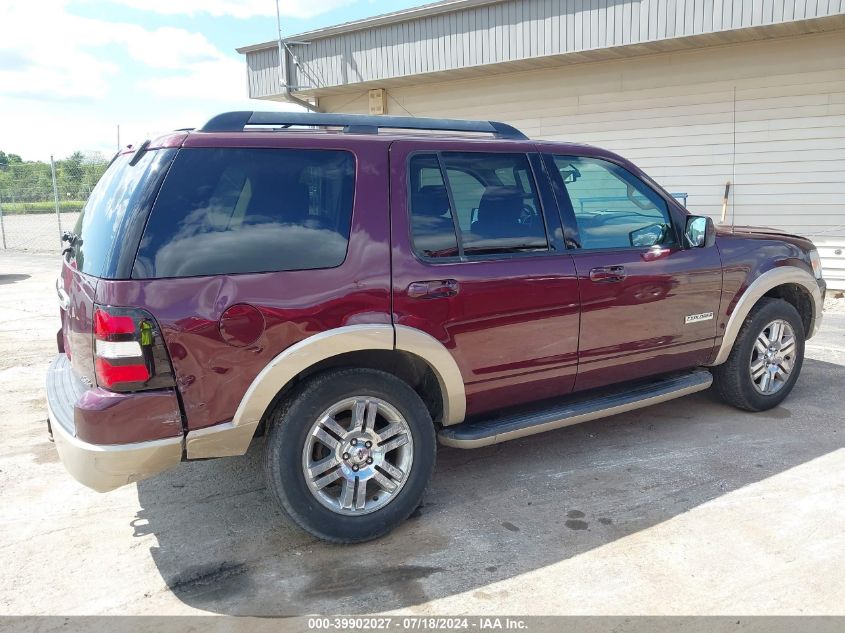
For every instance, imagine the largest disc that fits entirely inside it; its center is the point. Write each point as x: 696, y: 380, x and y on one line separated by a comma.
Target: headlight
x: 816, y: 263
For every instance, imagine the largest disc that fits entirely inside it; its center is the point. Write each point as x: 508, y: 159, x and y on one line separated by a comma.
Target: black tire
x: 289, y: 432
x: 732, y: 380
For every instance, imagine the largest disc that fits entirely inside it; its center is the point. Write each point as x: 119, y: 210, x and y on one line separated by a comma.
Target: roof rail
x: 355, y: 123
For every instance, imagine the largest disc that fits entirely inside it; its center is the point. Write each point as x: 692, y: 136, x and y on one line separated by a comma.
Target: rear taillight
x: 129, y: 352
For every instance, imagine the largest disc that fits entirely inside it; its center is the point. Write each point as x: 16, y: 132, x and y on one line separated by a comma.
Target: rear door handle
x: 607, y: 274
x: 433, y: 289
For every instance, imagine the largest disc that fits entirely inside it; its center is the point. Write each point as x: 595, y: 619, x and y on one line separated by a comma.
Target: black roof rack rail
x: 356, y: 123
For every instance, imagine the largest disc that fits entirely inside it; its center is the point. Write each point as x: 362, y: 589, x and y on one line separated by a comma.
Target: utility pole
x: 283, y: 80
x: 2, y: 228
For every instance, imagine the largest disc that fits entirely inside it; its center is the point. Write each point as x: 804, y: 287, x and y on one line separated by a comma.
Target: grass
x: 26, y: 208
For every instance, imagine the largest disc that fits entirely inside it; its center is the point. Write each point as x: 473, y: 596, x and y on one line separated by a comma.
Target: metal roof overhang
x: 362, y: 54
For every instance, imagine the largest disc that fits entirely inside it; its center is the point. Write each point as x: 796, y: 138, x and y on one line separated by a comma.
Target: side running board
x: 574, y: 411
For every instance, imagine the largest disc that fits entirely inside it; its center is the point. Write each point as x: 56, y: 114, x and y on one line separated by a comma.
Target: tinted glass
x: 114, y: 204
x: 613, y: 208
x: 249, y: 210
x: 432, y: 229
x: 496, y: 203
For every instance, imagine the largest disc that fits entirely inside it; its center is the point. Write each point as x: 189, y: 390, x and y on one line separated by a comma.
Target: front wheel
x: 350, y: 455
x: 766, y: 358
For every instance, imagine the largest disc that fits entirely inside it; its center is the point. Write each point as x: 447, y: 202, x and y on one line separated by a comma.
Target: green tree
x: 8, y: 159
x: 32, y: 181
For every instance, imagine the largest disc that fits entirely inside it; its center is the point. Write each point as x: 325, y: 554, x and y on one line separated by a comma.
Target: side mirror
x: 700, y: 232
x: 648, y: 235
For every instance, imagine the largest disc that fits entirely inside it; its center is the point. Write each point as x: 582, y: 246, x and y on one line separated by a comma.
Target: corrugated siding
x: 515, y: 30
x: 262, y: 70
x: 769, y: 116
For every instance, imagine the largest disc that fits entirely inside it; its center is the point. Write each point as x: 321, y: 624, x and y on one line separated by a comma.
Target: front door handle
x: 433, y: 289
x: 607, y: 274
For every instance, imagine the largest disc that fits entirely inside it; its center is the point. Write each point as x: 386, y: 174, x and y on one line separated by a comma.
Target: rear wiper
x: 139, y: 153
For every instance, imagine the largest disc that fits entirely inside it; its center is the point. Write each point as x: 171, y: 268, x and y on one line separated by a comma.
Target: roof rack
x: 355, y: 123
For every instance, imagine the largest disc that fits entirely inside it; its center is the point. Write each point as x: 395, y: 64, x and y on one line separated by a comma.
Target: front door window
x: 612, y: 207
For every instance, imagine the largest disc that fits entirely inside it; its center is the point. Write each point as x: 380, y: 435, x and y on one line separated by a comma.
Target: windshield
x: 117, y: 205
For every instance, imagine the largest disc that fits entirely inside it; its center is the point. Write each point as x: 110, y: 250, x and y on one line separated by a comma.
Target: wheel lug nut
x: 355, y: 468
x: 354, y: 442
x: 346, y: 456
x: 369, y: 460
x: 368, y: 444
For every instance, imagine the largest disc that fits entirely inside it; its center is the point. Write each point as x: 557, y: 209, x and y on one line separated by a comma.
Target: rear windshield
x: 233, y: 210
x: 116, y: 204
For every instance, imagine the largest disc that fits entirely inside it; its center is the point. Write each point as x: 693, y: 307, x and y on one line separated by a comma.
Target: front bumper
x: 102, y: 467
x: 818, y: 310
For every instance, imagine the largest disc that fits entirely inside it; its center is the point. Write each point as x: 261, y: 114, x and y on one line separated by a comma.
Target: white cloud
x: 56, y: 80
x: 37, y: 130
x: 206, y: 80
x: 45, y: 50
x: 60, y: 57
x: 169, y: 47
x: 237, y: 8
x: 51, y: 61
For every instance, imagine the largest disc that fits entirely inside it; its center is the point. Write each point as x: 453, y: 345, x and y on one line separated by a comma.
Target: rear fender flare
x: 233, y: 438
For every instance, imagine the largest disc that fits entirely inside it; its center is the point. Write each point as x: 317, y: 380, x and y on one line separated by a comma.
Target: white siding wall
x: 455, y: 36
x: 781, y: 142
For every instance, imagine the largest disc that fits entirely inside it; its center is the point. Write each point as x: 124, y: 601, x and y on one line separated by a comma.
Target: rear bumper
x: 102, y: 467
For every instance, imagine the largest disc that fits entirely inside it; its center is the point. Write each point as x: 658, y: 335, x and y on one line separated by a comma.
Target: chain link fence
x: 39, y: 201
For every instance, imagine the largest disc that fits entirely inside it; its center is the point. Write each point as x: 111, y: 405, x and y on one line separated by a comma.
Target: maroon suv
x: 353, y: 294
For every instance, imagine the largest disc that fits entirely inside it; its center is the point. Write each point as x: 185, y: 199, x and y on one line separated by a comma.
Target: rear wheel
x: 766, y: 358
x: 350, y: 455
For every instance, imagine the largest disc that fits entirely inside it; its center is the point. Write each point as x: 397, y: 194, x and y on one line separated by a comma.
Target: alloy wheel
x: 773, y: 357
x: 358, y: 455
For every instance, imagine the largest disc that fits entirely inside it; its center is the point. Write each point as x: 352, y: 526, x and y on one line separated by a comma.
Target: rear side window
x: 228, y: 210
x: 116, y: 203
x: 431, y: 218
x: 486, y: 205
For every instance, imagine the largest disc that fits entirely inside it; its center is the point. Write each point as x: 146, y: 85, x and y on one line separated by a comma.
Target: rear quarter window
x: 116, y: 205
x: 230, y: 210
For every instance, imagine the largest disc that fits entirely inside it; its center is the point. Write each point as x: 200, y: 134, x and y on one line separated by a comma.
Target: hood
x: 763, y: 233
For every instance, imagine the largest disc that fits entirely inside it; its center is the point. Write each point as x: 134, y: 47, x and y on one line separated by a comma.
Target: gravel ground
x: 835, y: 305
x: 689, y: 507
x: 35, y: 232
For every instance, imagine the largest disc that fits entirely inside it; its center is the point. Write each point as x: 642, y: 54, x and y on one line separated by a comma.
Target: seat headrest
x: 499, y: 210
x: 430, y: 201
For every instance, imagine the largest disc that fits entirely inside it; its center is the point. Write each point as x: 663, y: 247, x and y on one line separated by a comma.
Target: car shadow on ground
x: 490, y: 513
x: 13, y: 278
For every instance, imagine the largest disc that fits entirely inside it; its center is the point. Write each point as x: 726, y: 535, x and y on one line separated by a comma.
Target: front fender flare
x: 756, y: 290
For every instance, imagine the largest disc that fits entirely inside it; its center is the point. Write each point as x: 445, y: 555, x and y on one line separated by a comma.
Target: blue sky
x: 72, y: 70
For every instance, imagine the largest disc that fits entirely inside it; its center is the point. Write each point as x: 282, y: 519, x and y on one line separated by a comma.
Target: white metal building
x: 696, y: 92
